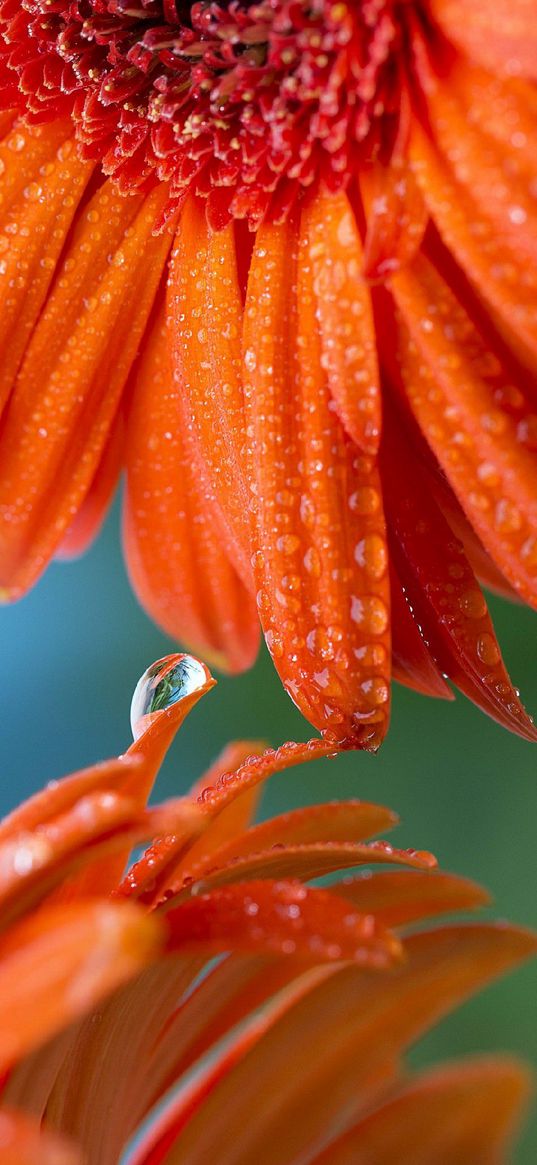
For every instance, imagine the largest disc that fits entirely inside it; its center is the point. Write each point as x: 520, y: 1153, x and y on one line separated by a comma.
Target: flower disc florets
x: 246, y: 103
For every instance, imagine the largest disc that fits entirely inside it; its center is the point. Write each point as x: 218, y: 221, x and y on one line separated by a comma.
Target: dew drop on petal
x: 163, y: 684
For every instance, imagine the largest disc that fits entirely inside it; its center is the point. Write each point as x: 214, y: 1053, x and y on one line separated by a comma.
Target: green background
x: 74, y: 649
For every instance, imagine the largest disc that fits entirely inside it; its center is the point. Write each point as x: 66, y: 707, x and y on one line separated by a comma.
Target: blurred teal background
x: 74, y: 649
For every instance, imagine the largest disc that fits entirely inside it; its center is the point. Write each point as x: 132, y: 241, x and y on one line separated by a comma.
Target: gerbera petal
x: 447, y: 601
x: 502, y: 276
x: 443, y: 370
x: 412, y: 663
x: 75, y: 367
x: 93, y: 510
x: 360, y: 1019
x: 345, y: 317
x: 178, y: 566
x: 321, y: 563
x: 279, y: 918
x: 459, y: 1114
x: 41, y: 184
x: 508, y: 44
x: 309, y: 861
x: 205, y: 322
x: 396, y: 217
x: 65, y: 959
x: 398, y: 897
x: 24, y: 1141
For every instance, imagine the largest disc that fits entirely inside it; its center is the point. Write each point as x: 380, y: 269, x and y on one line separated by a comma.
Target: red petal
x: 446, y: 599
x: 177, y: 564
x: 281, y: 918
x: 412, y: 663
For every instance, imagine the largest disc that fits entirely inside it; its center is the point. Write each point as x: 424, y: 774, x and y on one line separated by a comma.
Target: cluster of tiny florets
x: 247, y: 103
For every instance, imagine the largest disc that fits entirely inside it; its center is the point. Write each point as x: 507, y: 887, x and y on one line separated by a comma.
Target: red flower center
x: 248, y: 103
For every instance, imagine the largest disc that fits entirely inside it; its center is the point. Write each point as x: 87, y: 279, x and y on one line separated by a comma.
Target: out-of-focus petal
x: 412, y: 663
x: 74, y: 370
x: 460, y: 1114
x: 24, y: 1141
x: 321, y: 564
x: 507, y: 44
x: 361, y: 1020
x: 65, y: 959
x: 178, y: 566
x: 399, y: 897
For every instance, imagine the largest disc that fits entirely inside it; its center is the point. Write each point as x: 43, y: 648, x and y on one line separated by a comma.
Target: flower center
x: 248, y: 103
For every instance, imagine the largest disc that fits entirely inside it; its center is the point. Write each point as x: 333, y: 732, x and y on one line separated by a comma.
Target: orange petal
x: 396, y: 217
x: 444, y: 364
x: 41, y: 184
x: 461, y: 1114
x: 412, y: 663
x: 344, y: 316
x: 281, y: 918
x: 23, y: 1141
x: 66, y: 959
x: 205, y: 318
x: 257, y: 769
x: 321, y: 562
x: 360, y: 1019
x: 92, y: 513
x: 447, y: 602
x: 507, y: 44
x: 307, y: 861
x: 177, y: 564
x: 501, y: 273
x: 75, y: 368
x: 398, y: 897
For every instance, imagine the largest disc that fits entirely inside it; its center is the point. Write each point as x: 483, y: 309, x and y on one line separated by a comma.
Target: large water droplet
x: 165, y: 683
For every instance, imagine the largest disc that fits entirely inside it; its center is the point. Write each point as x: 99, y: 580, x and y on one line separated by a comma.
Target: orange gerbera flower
x: 381, y: 153
x: 116, y: 1022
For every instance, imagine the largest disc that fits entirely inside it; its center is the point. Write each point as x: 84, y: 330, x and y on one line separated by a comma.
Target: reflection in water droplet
x: 165, y: 683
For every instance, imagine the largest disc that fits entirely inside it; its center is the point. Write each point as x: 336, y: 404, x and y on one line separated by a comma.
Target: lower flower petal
x: 321, y: 563
x: 66, y: 959
x: 177, y: 564
x: 460, y: 1114
x: 24, y: 1141
x: 399, y: 897
x: 68, y: 389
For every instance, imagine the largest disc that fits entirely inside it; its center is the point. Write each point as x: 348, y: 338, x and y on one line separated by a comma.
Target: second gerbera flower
x: 361, y: 144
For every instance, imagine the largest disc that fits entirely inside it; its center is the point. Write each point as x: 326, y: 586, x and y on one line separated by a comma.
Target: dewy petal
x: 178, y: 566
x: 41, y: 184
x: 68, y: 389
x: 444, y: 370
x: 94, y: 508
x: 321, y: 562
x: 507, y: 44
x: 24, y: 1141
x: 361, y: 1020
x: 396, y: 217
x: 412, y: 663
x: 205, y: 322
x: 65, y: 960
x: 281, y: 918
x: 345, y: 317
x: 446, y: 599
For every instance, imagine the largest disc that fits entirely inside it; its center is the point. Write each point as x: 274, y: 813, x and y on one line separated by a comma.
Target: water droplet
x: 487, y: 649
x: 473, y: 604
x: 163, y: 684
